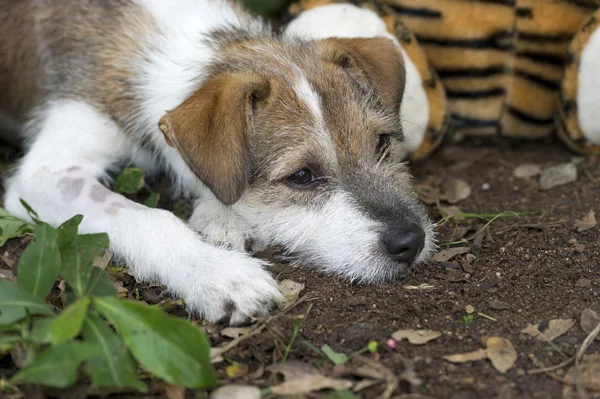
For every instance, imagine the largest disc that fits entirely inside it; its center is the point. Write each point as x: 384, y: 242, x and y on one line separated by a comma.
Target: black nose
x: 405, y: 244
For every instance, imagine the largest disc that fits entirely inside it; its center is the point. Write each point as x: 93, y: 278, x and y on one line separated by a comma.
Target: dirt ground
x: 517, y: 270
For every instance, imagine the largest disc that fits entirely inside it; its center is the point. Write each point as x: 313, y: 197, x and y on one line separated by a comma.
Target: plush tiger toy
x: 521, y: 69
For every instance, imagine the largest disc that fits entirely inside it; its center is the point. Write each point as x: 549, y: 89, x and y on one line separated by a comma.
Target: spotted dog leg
x: 74, y: 146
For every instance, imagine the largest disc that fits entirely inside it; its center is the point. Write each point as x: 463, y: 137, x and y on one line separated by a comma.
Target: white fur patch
x: 588, y: 89
x: 346, y: 20
x: 414, y: 109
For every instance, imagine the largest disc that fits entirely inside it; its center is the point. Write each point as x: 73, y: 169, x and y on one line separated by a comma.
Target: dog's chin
x: 365, y: 268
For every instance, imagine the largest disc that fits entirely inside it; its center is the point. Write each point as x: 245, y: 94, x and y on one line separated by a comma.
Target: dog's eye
x: 383, y: 142
x: 301, y: 177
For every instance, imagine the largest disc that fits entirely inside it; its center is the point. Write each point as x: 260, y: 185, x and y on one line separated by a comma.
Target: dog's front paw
x: 238, y: 288
x: 221, y: 226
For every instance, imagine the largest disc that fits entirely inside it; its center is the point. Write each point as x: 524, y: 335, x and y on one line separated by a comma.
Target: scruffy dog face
x: 298, y: 136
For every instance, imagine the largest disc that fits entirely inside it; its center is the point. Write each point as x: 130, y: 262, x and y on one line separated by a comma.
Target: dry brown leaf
x: 416, y: 337
x: 589, y: 375
x: 290, y: 290
x: 234, y: 332
x: 553, y: 330
x: 479, y: 354
x: 302, y: 378
x: 587, y: 222
x: 588, y: 320
x: 456, y: 190
x: 527, y: 170
x: 446, y: 254
x: 501, y: 353
x: 103, y: 261
x: 7, y: 275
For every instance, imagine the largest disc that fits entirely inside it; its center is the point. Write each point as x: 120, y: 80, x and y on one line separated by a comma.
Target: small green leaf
x: 68, y: 325
x: 40, y: 263
x: 15, y: 302
x: 115, y: 366
x: 152, y: 200
x: 129, y: 181
x: 99, y: 284
x: 78, y: 253
x: 372, y: 346
x: 12, y: 227
x: 32, y: 213
x: 7, y: 342
x: 57, y: 366
x: 40, y: 331
x: 170, y: 347
x: 336, y: 358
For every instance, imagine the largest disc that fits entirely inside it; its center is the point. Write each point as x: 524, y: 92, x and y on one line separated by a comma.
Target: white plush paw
x: 221, y: 226
x: 238, y: 288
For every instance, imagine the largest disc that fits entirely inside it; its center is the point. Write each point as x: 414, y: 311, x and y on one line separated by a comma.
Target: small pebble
x: 498, y: 305
x: 486, y: 186
x: 236, y: 392
x: 558, y: 175
x: 469, y: 309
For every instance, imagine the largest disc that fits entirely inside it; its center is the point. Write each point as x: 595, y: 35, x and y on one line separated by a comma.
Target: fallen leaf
x: 290, y: 290
x: 446, y: 254
x: 302, y: 378
x: 479, y: 354
x: 588, y: 320
x: 554, y: 329
x: 7, y: 275
x: 416, y: 337
x: 501, y: 353
x: 456, y: 190
x: 589, y: 377
x: 103, y: 261
x: 527, y: 170
x: 234, y: 332
x: 587, y: 222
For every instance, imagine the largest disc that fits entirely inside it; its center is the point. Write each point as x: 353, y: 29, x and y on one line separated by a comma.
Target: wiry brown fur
x: 54, y: 49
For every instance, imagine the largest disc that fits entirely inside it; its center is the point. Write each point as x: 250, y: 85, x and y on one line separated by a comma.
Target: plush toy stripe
x: 543, y: 31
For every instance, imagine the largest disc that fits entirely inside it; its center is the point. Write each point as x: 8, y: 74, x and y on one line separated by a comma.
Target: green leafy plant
x: 112, y: 338
x: 131, y: 181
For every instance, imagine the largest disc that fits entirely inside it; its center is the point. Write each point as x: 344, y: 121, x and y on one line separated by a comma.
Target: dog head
x: 298, y: 136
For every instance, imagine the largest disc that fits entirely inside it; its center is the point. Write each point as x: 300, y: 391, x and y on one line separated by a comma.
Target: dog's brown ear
x: 372, y: 60
x: 210, y: 130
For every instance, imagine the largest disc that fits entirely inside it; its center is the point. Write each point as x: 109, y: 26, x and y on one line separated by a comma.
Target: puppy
x: 281, y: 140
